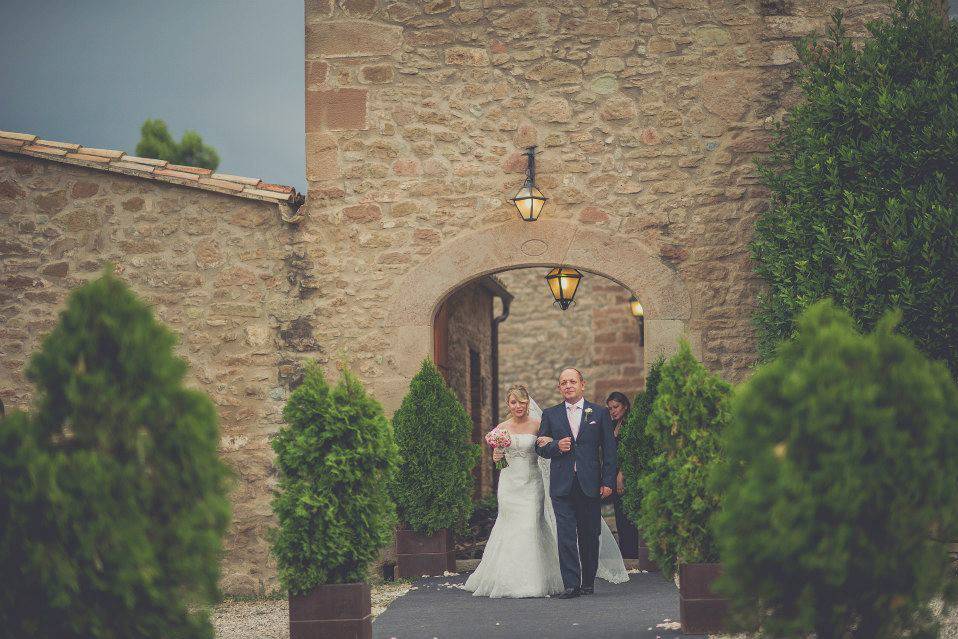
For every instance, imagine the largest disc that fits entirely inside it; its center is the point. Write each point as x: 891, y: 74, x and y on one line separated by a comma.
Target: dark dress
x: 627, y: 532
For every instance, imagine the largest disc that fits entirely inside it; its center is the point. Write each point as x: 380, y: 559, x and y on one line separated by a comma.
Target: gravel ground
x: 269, y: 618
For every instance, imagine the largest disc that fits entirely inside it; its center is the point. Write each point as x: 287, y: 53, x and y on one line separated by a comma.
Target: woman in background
x: 619, y: 406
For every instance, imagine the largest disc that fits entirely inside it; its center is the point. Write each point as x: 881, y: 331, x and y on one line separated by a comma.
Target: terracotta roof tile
x: 133, y: 166
x: 176, y: 174
x: 139, y: 160
x: 105, y: 153
x: 27, y: 137
x: 49, y: 150
x: 223, y: 184
x: 60, y: 145
x: 151, y: 169
x: 84, y: 157
x: 279, y: 188
x: 235, y: 178
x: 189, y: 169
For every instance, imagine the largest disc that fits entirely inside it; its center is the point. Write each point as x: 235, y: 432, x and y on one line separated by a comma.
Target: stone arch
x: 415, y: 297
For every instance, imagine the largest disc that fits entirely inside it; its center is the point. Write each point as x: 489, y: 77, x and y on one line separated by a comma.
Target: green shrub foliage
x: 864, y: 182
x: 335, y: 454
x: 635, y: 446
x: 112, y: 495
x: 839, y: 485
x: 433, y: 487
x: 687, y: 418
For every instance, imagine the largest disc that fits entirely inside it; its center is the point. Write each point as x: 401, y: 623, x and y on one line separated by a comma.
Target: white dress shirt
x: 574, y: 413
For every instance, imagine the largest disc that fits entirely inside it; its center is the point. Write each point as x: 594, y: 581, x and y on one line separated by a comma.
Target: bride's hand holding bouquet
x: 499, y: 439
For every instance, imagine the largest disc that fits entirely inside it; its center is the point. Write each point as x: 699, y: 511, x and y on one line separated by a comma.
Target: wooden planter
x: 334, y: 611
x: 418, y: 555
x: 701, y: 611
x: 645, y: 563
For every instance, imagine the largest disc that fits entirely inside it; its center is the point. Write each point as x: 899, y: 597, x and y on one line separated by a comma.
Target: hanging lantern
x: 529, y: 199
x: 638, y: 313
x: 563, y: 283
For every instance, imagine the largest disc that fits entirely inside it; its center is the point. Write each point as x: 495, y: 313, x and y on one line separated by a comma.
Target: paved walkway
x: 436, y: 608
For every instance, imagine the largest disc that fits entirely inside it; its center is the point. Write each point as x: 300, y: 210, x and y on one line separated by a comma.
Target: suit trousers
x: 577, y: 529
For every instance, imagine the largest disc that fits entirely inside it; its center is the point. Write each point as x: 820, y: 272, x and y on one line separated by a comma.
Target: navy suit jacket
x: 592, y: 454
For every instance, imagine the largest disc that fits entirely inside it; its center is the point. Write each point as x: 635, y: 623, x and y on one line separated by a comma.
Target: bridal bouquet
x: 499, y: 438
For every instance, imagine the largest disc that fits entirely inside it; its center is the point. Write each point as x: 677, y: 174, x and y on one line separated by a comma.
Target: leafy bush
x: 335, y: 455
x: 677, y: 502
x: 635, y: 446
x: 864, y: 188
x: 112, y: 495
x: 839, y: 486
x: 433, y: 487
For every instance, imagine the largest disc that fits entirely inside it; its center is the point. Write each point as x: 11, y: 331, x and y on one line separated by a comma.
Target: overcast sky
x: 90, y: 71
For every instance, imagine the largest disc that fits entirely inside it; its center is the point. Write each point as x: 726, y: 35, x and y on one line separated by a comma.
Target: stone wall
x: 215, y: 269
x: 597, y: 335
x: 648, y: 115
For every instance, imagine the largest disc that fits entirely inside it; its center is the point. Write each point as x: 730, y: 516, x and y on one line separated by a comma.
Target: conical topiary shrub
x: 336, y: 456
x: 635, y: 444
x: 433, y: 488
x: 112, y: 495
x: 687, y: 417
x: 840, y: 485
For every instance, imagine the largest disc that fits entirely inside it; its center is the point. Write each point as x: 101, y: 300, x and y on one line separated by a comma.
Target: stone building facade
x: 648, y: 115
x: 216, y: 269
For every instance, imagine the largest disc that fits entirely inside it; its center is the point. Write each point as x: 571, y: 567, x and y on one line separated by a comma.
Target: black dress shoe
x: 587, y: 591
x: 568, y: 593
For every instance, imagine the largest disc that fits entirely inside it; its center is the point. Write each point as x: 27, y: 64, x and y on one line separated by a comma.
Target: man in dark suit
x: 583, y: 470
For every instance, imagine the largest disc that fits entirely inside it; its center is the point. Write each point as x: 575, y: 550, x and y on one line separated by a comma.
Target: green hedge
x: 864, y: 188
x: 687, y: 418
x: 839, y: 486
x: 635, y: 445
x: 434, y: 484
x: 335, y: 454
x: 113, y: 498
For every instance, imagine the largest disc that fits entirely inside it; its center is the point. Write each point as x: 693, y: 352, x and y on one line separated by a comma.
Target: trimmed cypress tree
x: 335, y: 455
x: 839, y: 486
x: 113, y: 496
x: 635, y: 445
x: 863, y: 182
x: 687, y: 418
x: 433, y: 488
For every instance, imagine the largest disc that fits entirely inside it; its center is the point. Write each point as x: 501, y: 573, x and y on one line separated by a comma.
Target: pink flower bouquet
x: 499, y: 438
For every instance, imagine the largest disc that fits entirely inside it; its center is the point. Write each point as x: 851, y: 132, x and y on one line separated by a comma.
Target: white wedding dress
x: 521, y: 558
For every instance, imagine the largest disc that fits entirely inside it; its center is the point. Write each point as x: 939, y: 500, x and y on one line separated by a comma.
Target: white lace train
x: 521, y: 558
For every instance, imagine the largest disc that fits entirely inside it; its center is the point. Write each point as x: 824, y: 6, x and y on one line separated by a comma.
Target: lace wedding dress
x: 521, y: 558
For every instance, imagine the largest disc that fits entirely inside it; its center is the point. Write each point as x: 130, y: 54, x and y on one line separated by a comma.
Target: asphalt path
x: 647, y: 607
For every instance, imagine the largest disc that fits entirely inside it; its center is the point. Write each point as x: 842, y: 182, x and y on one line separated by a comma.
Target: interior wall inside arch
x: 597, y: 335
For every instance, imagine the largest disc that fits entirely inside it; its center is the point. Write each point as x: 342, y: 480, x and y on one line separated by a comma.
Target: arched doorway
x: 415, y: 299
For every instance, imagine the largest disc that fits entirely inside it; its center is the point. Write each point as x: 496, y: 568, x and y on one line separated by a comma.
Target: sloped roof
x: 148, y: 168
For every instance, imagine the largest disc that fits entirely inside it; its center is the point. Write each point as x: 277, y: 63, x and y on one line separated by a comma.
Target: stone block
x: 336, y: 110
x: 351, y: 38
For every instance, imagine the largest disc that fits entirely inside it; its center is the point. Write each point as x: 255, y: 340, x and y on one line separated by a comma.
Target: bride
x: 521, y: 557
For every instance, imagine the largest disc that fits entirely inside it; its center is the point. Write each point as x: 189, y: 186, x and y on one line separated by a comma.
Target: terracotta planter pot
x: 700, y: 610
x: 418, y: 555
x: 334, y: 611
x: 645, y: 563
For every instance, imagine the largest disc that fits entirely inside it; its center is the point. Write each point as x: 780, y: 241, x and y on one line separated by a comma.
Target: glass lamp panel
x: 636, y: 307
x: 554, y: 283
x: 570, y: 282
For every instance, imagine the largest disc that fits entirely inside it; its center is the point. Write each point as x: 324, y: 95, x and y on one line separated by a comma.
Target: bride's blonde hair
x: 519, y: 392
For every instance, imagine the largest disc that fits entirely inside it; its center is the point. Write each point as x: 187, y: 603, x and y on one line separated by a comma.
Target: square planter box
x: 645, y: 563
x: 418, y: 555
x: 700, y: 610
x: 334, y: 611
